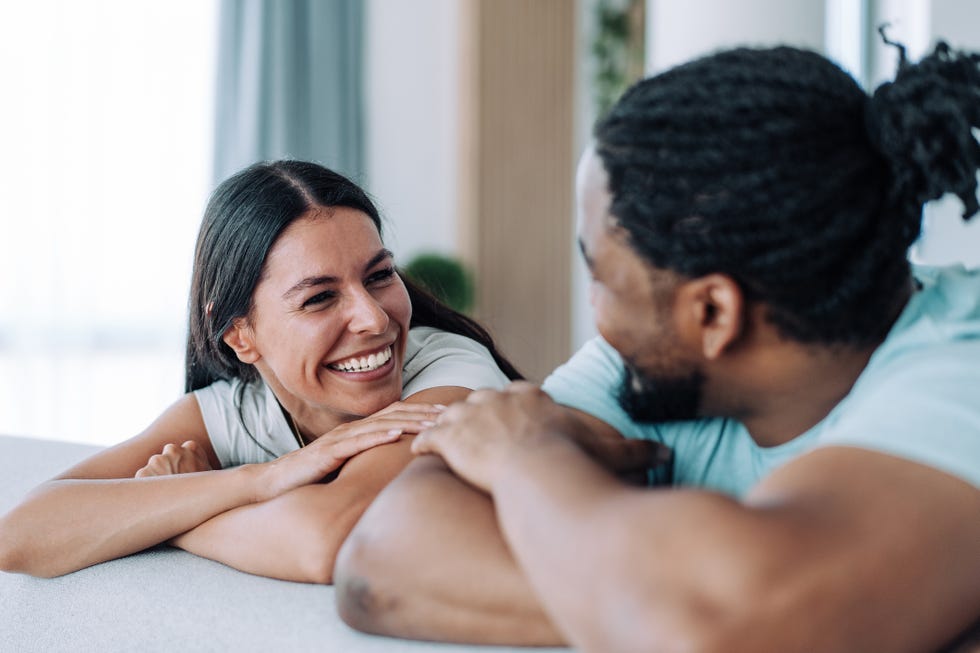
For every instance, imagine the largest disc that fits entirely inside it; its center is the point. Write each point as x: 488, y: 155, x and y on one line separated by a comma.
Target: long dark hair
x: 774, y: 167
x: 244, y: 217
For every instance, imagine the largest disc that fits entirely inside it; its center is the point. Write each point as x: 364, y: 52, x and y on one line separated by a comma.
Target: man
x: 746, y: 219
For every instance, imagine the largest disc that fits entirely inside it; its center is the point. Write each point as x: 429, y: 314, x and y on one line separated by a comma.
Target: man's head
x: 766, y: 178
x: 661, y: 333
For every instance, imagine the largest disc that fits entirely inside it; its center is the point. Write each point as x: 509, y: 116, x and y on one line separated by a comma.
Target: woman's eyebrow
x: 319, y: 280
x: 377, y: 258
x: 309, y: 282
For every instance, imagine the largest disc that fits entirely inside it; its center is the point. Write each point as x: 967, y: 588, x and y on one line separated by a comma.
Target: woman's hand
x: 332, y: 449
x: 186, y: 458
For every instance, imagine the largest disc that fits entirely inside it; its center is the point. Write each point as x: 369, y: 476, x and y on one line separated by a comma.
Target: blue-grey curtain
x: 290, y: 84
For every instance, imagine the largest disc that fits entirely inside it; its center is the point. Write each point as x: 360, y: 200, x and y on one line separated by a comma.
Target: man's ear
x: 241, y: 340
x: 714, y: 307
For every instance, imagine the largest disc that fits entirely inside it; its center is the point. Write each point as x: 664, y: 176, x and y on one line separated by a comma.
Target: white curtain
x: 106, y: 126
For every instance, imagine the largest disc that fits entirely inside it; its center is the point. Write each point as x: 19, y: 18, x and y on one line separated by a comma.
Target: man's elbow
x: 361, y: 601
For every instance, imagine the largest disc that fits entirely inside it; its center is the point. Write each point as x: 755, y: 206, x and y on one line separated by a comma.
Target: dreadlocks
x: 774, y: 167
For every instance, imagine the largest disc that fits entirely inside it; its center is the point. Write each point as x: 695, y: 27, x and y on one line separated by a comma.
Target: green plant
x: 445, y: 277
x: 617, y: 49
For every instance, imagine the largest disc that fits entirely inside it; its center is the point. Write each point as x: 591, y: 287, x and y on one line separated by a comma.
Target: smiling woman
x: 305, y: 368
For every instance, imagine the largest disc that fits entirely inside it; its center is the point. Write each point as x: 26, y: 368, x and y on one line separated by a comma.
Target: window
x: 106, y: 128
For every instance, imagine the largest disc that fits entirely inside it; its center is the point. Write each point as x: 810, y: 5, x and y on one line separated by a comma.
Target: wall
x: 412, y: 89
x: 678, y: 31
x: 469, y: 132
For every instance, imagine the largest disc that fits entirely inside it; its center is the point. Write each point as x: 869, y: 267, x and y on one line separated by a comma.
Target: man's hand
x: 478, y: 436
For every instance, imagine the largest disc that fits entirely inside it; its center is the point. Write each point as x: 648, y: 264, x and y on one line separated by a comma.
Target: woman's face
x: 329, y: 319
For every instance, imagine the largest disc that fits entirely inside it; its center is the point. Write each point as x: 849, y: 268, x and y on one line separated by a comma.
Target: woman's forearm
x: 292, y: 537
x: 68, y: 524
x: 296, y: 535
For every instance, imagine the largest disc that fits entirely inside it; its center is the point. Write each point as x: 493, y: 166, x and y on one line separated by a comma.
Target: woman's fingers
x: 157, y: 465
x: 409, y: 407
x: 192, y: 458
x: 403, y: 422
x: 174, y: 459
x: 351, y: 446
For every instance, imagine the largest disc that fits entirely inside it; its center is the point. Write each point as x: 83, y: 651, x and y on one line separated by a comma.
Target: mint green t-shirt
x: 918, y: 398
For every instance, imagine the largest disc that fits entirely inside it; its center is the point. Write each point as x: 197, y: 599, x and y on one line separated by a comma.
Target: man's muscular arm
x: 843, y: 549
x: 427, y: 560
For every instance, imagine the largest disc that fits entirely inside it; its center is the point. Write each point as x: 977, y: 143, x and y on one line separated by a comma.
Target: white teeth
x: 365, y: 363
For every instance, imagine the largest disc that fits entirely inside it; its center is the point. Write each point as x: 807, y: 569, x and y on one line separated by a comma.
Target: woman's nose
x: 367, y: 315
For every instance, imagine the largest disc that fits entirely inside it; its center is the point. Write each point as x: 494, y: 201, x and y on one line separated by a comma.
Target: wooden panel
x: 517, y: 200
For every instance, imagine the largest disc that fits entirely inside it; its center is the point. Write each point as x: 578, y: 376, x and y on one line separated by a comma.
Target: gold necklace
x: 296, y: 433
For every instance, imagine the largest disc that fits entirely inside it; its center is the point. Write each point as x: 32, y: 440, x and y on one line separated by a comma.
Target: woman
x: 302, y: 341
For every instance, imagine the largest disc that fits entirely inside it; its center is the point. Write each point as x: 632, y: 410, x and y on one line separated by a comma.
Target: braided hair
x: 774, y: 167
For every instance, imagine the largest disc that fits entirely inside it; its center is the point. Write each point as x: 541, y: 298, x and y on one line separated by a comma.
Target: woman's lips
x: 366, y: 368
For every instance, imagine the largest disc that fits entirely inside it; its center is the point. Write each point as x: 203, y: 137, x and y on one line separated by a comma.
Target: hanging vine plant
x: 617, y: 49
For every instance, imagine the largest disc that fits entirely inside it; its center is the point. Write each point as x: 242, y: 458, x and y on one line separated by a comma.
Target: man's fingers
x: 424, y: 443
x: 624, y: 456
x: 517, y: 387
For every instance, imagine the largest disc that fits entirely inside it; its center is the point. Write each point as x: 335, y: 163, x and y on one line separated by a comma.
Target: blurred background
x: 463, y: 119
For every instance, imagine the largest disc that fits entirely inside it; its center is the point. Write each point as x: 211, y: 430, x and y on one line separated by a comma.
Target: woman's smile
x: 366, y: 366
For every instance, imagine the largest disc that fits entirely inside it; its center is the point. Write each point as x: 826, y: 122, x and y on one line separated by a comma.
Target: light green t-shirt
x: 918, y: 398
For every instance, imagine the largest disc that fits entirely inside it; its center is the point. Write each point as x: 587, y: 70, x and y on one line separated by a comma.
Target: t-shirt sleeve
x: 590, y: 382
x: 240, y: 424
x: 927, y: 410
x: 438, y: 358
x: 214, y: 403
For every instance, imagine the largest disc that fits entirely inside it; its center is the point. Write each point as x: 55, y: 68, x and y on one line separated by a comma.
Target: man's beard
x: 653, y: 400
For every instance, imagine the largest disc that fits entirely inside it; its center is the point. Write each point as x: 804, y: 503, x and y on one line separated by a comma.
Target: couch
x: 164, y: 599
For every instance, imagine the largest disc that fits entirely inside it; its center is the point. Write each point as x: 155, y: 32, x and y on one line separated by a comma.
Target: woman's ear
x: 716, y: 311
x: 240, y: 338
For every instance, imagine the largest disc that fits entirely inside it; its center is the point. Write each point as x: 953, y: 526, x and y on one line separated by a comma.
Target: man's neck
x: 797, y: 389
x: 779, y: 389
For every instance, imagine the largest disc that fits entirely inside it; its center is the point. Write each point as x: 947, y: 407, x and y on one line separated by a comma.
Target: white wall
x: 412, y: 90
x: 679, y: 31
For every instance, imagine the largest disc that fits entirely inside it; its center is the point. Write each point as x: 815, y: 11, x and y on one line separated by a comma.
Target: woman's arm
x: 97, y: 511
x: 296, y: 536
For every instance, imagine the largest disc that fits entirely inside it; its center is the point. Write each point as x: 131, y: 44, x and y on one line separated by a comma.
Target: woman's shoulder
x: 228, y: 403
x: 434, y: 357
x: 429, y: 341
x: 232, y: 390
x: 243, y: 421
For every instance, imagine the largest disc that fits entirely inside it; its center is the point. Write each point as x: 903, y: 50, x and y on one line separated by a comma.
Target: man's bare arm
x: 844, y: 549
x: 428, y: 561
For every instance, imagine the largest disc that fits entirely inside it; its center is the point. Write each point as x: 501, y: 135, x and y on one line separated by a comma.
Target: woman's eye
x: 381, y: 276
x: 319, y: 298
